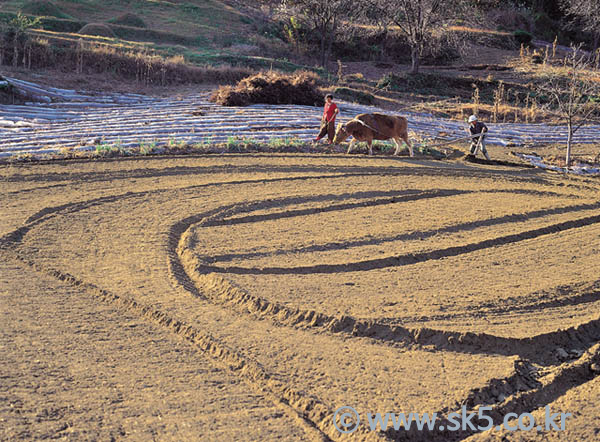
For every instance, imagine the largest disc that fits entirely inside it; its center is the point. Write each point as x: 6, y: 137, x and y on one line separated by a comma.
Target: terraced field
x: 83, y: 121
x: 248, y: 297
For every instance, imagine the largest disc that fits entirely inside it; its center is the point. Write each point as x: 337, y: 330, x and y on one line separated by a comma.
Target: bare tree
x: 571, y: 92
x: 322, y: 16
x: 418, y: 19
x: 16, y: 35
x: 588, y: 11
x: 373, y: 13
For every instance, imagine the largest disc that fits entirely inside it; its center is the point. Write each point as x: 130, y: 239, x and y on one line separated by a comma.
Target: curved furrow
x: 189, y: 271
x: 405, y: 260
x: 361, y: 242
x: 314, y: 415
x: 194, y: 274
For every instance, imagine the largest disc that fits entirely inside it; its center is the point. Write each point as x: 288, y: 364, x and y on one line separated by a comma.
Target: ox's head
x: 341, y: 134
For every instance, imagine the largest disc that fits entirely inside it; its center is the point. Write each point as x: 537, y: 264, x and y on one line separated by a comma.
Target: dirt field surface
x: 248, y: 297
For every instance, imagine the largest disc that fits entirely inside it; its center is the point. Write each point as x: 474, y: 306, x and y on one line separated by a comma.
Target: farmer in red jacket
x: 328, y: 121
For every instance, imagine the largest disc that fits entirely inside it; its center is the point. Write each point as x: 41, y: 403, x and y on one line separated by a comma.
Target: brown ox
x: 369, y: 127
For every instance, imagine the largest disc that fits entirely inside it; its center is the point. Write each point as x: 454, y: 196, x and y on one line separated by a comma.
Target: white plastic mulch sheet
x: 67, y: 118
x: 577, y: 168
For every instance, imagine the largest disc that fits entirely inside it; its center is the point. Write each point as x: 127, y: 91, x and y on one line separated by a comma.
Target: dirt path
x: 269, y: 290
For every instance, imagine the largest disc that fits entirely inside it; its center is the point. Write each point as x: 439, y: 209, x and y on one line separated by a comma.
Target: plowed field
x: 248, y: 297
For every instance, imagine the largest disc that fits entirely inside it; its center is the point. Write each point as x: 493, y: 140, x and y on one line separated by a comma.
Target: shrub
x: 48, y: 23
x: 546, y: 28
x: 509, y: 19
x: 523, y: 37
x: 128, y: 19
x: 44, y: 8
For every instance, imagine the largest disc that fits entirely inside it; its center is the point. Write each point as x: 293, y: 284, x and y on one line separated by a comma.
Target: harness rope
x: 366, y: 125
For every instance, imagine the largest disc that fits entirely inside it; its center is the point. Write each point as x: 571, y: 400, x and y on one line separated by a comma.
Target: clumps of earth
x: 272, y: 88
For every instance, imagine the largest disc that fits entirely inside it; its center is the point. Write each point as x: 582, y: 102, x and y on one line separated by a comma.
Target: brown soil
x: 248, y: 297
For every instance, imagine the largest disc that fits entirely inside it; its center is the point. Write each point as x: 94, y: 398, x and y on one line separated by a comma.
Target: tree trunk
x: 323, y: 42
x: 330, y: 44
x: 15, y: 51
x: 569, y: 143
x: 384, y: 44
x: 414, y: 55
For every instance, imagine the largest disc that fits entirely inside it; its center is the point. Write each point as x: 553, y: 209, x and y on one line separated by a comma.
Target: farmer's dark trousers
x: 327, y: 129
x: 475, y: 145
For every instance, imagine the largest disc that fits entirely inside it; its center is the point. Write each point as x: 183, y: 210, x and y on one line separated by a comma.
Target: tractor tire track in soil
x: 524, y: 390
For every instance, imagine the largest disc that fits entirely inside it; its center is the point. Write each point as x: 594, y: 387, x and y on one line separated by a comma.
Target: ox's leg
x: 410, y: 148
x: 351, y: 146
x: 397, y: 143
x: 370, y: 144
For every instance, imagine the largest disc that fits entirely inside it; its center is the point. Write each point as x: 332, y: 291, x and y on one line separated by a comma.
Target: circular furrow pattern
x: 295, y: 250
x: 487, y: 273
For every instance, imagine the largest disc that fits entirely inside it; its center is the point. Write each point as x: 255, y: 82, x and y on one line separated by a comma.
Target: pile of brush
x: 272, y: 88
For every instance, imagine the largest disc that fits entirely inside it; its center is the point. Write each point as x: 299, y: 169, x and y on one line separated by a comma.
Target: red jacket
x: 329, y: 111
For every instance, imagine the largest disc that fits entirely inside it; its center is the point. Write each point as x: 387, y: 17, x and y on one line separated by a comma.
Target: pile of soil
x: 272, y: 88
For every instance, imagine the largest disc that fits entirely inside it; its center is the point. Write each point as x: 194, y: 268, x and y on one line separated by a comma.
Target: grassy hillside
x: 195, y: 32
x: 195, y: 19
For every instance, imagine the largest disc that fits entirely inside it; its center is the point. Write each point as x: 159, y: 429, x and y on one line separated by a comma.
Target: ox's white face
x: 340, y: 134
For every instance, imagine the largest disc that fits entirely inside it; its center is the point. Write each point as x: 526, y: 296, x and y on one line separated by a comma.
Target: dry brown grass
x: 505, y: 113
x: 272, y: 88
x: 527, y: 68
x: 125, y: 62
x: 478, y: 31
